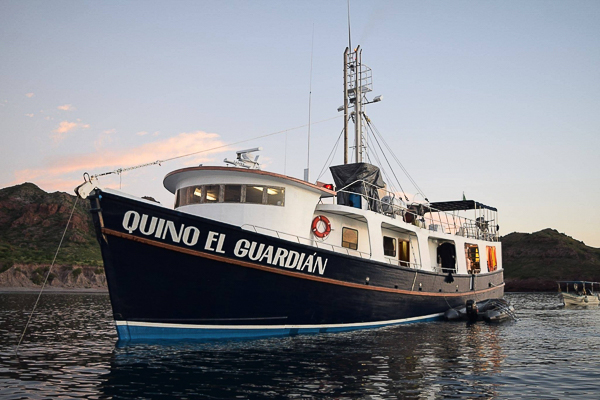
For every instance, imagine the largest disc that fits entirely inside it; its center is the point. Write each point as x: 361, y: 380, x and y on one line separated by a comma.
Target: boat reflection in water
x: 421, y: 360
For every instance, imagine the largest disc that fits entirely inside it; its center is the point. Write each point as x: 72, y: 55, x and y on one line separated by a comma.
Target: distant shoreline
x: 52, y: 290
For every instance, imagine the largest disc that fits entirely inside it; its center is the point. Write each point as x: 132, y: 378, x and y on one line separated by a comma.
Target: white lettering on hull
x: 280, y: 256
x: 215, y: 242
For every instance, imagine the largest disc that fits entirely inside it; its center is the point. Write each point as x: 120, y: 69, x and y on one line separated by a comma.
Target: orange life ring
x: 315, y: 227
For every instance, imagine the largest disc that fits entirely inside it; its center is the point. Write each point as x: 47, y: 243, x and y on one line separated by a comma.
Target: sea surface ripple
x: 71, y: 351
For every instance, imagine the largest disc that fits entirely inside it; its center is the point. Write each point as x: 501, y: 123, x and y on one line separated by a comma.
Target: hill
x: 31, y: 226
x: 535, y: 261
x: 32, y: 223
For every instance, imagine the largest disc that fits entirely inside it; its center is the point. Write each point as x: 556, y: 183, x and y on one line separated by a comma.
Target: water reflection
x: 414, y: 361
x: 70, y: 351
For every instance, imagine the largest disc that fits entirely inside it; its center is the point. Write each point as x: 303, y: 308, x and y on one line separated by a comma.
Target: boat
x: 578, y: 293
x: 247, y: 253
x: 490, y: 310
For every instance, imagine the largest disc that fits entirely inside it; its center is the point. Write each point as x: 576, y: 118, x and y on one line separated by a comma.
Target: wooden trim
x: 284, y: 272
x: 251, y: 171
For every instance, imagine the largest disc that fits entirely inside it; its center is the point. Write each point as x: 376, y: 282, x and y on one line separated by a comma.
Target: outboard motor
x: 472, y: 310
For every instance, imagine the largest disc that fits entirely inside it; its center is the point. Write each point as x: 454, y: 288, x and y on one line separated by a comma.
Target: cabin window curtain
x: 492, y: 261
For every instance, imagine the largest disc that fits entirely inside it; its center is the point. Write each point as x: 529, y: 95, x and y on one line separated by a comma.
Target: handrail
x: 453, y: 224
x: 312, y: 242
x: 335, y: 248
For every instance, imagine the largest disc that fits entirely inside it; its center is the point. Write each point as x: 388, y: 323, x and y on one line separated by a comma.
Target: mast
x: 358, y: 81
x: 346, y: 105
x: 357, y: 107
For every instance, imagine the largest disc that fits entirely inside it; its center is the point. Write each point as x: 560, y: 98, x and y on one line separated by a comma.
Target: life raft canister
x: 317, y: 229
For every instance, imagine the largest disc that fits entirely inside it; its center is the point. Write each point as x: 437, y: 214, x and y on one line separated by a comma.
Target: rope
x: 386, y: 160
x: 375, y: 130
x: 331, y: 155
x: 47, y: 275
x: 159, y: 162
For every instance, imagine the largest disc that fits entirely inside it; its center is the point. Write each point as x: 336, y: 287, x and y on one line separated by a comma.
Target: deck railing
x: 424, y: 216
x: 302, y: 240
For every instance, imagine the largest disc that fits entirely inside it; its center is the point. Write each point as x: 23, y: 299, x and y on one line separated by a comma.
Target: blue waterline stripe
x: 131, y: 330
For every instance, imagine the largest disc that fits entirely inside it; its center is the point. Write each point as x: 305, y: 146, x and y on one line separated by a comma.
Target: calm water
x: 71, y: 351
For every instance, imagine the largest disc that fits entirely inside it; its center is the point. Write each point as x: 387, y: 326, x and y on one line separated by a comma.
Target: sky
x: 499, y: 100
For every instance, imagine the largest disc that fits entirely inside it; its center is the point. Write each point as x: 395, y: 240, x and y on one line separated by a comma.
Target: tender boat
x: 491, y: 310
x: 251, y: 253
x: 578, y: 293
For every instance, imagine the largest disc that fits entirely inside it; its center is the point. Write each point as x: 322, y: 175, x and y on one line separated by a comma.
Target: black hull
x: 202, y: 282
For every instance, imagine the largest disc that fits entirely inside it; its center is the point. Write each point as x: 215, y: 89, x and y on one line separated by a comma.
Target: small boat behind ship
x: 578, y: 293
x: 251, y: 253
x: 491, y: 310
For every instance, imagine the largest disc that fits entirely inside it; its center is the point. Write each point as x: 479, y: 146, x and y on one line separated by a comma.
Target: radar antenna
x: 244, y: 159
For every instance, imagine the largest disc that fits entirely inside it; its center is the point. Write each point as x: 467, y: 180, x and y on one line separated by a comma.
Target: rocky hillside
x: 32, y: 222
x: 535, y: 261
x: 31, y: 225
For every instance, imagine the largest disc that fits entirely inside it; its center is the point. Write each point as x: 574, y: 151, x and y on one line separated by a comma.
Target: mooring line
x: 47, y: 275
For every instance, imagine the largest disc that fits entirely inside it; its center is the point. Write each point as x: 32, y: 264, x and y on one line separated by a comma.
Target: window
x: 472, y: 254
x: 255, y: 194
x: 232, y: 194
x: 492, y: 261
x: 389, y: 246
x: 188, y: 195
x: 350, y: 238
x: 212, y: 193
x: 404, y: 253
x: 275, y: 196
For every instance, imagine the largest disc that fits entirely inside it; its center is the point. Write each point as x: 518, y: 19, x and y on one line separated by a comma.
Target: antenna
x: 244, y: 159
x: 307, y: 170
x: 349, y: 37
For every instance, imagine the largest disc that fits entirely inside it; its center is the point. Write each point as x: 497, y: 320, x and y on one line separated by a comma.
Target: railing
x: 400, y: 263
x: 311, y: 242
x: 424, y: 216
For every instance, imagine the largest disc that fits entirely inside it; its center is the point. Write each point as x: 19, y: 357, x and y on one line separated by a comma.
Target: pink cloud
x: 60, y: 174
x: 64, y: 127
x: 104, y: 138
x: 141, y: 133
x: 30, y: 95
x: 29, y: 115
x: 66, y: 107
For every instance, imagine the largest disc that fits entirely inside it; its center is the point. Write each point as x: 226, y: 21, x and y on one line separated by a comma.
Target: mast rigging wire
x: 47, y: 275
x: 375, y: 130
x: 386, y: 159
x: 331, y: 155
x: 159, y: 162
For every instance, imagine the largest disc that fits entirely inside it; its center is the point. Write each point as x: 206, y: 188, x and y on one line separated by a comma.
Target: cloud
x: 64, y: 127
x: 141, y: 133
x: 30, y: 95
x: 29, y: 115
x: 60, y: 174
x: 104, y: 138
x: 66, y: 107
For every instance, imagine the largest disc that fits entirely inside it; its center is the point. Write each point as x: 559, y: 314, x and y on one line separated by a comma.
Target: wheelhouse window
x: 389, y: 246
x: 232, y: 193
x: 350, y: 238
x: 254, y: 194
x: 472, y: 255
x: 212, y: 193
x: 275, y: 196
